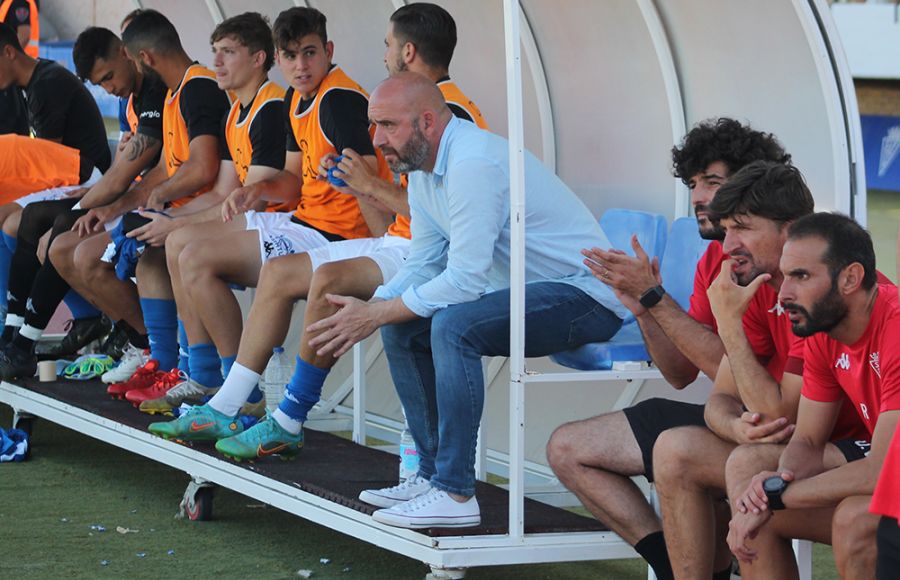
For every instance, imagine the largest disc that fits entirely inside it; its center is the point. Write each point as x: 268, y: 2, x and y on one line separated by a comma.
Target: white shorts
x: 389, y: 252
x: 279, y: 236
x: 57, y: 193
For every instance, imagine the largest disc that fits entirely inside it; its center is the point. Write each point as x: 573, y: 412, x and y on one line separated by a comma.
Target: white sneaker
x: 391, y: 496
x: 132, y: 359
x: 434, y: 509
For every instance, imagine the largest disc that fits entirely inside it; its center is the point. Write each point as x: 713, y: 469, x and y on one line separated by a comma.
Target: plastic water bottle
x: 409, y: 456
x: 277, y: 374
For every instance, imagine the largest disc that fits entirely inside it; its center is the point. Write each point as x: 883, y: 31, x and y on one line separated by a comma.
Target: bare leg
x: 594, y: 459
x: 776, y: 558
x: 206, y: 270
x: 853, y: 535
x: 97, y: 281
x: 13, y: 214
x: 689, y: 465
x: 176, y: 242
x: 282, y: 282
x: 357, y: 277
x: 153, y: 276
x: 7, y: 210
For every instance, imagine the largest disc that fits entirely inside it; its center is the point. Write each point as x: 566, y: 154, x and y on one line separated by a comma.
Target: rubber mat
x: 331, y: 467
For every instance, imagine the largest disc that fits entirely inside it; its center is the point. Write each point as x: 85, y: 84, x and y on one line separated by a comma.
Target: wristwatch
x: 651, y: 297
x: 774, y: 487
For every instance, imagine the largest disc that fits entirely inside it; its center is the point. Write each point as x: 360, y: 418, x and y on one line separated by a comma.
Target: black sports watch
x: 651, y: 297
x: 774, y: 487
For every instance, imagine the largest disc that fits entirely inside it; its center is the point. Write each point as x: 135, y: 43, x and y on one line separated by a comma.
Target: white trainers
x: 131, y: 360
x: 434, y: 509
x: 391, y: 496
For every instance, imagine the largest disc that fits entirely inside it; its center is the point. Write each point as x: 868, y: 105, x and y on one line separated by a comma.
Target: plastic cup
x: 47, y: 371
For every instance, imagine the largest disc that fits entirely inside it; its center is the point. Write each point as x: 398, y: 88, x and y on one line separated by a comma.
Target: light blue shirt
x: 461, y: 231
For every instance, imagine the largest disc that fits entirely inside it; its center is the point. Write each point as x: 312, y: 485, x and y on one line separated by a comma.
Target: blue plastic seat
x: 627, y: 344
x: 683, y: 248
x: 620, y: 224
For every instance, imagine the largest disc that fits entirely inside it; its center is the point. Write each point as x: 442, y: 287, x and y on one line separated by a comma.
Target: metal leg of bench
x: 803, y: 553
x: 359, y: 394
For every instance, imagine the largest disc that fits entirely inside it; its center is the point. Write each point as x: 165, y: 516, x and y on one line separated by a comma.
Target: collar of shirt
x: 440, y: 161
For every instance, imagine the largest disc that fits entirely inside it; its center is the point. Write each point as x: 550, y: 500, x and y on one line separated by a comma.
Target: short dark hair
x: 848, y: 242
x: 93, y: 43
x: 151, y: 30
x: 767, y: 189
x: 295, y: 23
x: 725, y: 140
x: 430, y: 28
x: 8, y: 37
x: 129, y: 17
x: 251, y: 29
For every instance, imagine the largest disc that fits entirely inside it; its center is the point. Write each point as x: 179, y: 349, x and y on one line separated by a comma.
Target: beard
x: 413, y: 154
x: 826, y: 313
x: 709, y: 230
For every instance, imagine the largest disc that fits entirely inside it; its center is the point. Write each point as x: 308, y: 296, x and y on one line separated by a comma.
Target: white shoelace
x: 421, y: 501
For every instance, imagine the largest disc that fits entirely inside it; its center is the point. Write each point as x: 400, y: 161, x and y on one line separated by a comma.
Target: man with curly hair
x: 595, y: 458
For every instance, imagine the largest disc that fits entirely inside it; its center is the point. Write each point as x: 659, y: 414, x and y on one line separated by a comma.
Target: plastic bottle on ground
x: 277, y: 374
x: 409, y: 456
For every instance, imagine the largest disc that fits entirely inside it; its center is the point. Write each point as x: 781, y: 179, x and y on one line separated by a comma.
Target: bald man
x: 449, y: 304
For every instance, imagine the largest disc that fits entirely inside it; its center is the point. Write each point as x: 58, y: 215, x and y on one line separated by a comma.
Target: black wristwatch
x: 651, y: 297
x: 774, y: 487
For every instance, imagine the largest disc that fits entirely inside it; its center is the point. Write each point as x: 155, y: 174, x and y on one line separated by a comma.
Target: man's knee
x: 193, y: 263
x: 853, y: 531
x: 561, y: 448
x: 176, y: 242
x: 279, y: 273
x: 11, y: 224
x: 673, y: 453
x: 61, y: 251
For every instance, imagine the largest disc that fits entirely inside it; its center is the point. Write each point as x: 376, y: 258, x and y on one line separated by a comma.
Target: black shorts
x: 651, y: 417
x: 853, y: 449
x: 887, y: 566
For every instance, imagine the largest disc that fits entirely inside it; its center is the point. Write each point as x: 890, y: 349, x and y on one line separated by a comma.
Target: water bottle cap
x: 278, y: 349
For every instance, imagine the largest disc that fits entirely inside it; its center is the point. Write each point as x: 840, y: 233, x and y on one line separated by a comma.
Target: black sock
x: 24, y: 343
x: 723, y: 574
x: 10, y: 332
x: 653, y: 549
x: 135, y: 338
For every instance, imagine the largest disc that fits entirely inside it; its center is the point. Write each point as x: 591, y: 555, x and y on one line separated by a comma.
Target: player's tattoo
x: 139, y: 144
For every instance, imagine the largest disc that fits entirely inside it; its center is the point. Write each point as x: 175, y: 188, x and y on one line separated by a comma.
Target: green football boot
x: 262, y: 440
x: 202, y: 423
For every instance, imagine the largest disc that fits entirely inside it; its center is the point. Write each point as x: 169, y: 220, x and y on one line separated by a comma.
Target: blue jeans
x: 436, y: 367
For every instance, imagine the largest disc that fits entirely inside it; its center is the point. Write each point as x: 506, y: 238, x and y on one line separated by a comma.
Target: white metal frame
x: 452, y: 552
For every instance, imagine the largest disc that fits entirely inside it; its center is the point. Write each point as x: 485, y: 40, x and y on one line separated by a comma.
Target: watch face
x: 773, y: 484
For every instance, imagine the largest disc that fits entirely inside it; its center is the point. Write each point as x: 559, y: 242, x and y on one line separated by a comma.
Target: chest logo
x: 777, y: 310
x: 843, y: 362
x: 873, y: 362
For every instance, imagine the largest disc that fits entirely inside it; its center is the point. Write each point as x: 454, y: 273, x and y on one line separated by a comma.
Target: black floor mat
x: 331, y: 467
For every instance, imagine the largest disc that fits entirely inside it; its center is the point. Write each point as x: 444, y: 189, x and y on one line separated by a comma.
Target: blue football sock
x: 184, y: 352
x: 227, y: 363
x: 255, y: 395
x: 162, y: 329
x: 10, y: 242
x: 6, y: 252
x: 79, y: 307
x: 304, y: 390
x: 205, y: 365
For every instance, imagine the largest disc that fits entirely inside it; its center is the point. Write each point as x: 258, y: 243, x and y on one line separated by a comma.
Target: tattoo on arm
x: 138, y: 145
